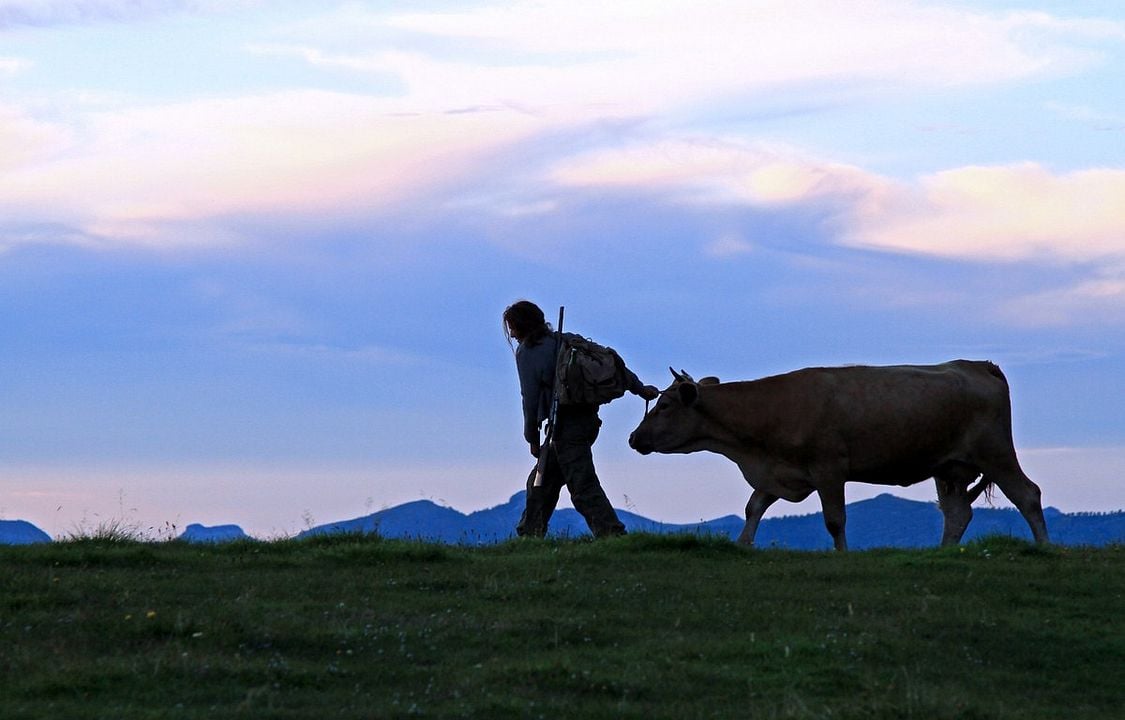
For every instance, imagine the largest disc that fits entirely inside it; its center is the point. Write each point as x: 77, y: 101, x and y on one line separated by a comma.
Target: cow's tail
x: 984, y: 486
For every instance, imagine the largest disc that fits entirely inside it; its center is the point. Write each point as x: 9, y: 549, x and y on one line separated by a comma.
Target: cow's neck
x: 731, y: 429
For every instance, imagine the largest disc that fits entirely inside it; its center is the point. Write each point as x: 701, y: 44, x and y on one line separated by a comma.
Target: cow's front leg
x: 760, y: 501
x: 835, y: 517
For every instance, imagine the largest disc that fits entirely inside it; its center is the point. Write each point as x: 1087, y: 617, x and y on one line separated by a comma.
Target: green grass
x: 640, y: 626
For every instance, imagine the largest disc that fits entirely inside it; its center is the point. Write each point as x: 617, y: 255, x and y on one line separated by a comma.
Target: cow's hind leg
x: 955, y: 500
x: 1023, y: 493
x: 756, y: 507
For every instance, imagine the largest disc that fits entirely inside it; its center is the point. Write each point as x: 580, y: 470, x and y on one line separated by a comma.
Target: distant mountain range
x: 883, y: 521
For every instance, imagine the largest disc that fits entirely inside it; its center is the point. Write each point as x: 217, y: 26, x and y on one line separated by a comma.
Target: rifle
x: 552, y: 413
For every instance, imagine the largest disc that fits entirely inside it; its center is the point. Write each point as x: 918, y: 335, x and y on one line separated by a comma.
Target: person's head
x: 524, y: 322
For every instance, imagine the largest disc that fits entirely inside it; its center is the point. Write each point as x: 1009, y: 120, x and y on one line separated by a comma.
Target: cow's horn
x: 675, y: 375
x: 687, y: 377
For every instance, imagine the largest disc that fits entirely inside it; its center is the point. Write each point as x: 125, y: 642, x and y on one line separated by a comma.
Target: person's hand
x: 649, y: 392
x: 534, y: 448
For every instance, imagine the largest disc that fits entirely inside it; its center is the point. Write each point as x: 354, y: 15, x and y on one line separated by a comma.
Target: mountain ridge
x: 883, y: 521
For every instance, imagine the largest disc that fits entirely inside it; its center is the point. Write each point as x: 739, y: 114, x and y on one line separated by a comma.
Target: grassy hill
x: 642, y: 626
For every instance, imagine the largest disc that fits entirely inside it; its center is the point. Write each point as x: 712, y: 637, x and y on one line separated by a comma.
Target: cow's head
x: 675, y: 424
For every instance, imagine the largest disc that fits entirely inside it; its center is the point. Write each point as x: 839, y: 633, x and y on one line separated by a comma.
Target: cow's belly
x: 908, y: 468
x: 794, y: 477
x: 788, y: 481
x: 901, y: 475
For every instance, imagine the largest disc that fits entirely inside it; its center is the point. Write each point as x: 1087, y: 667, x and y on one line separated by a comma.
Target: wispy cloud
x: 1002, y: 213
x: 1095, y: 28
x: 13, y: 65
x: 1098, y: 302
x: 143, y: 171
x: 716, y: 170
x: 317, y: 57
x: 1095, y: 118
x: 64, y: 12
x: 646, y: 57
x: 25, y: 140
x: 367, y: 354
x: 730, y: 44
x: 137, y: 173
x: 729, y: 245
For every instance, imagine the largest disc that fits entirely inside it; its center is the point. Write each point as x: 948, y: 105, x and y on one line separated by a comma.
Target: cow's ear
x: 709, y: 380
x: 689, y: 393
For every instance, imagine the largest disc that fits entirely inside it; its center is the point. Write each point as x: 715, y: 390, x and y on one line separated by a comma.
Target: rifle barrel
x: 552, y: 413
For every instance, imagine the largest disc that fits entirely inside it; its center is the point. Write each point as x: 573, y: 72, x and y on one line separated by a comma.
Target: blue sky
x: 253, y: 255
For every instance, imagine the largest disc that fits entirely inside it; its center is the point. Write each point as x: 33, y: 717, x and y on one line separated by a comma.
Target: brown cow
x: 815, y: 429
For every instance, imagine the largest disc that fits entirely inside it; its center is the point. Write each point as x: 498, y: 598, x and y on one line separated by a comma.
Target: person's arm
x: 530, y: 392
x: 536, y: 368
x: 648, y: 392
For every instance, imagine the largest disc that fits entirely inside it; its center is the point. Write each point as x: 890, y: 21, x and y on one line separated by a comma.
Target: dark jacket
x: 535, y: 364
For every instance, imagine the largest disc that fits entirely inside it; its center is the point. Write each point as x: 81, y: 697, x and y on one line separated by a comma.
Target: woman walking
x: 570, y: 460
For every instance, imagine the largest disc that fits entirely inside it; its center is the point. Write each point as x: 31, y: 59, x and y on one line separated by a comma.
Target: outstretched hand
x: 649, y: 392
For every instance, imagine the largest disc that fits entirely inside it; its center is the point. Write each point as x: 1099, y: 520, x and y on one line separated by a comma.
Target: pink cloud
x: 142, y: 172
x: 1011, y: 212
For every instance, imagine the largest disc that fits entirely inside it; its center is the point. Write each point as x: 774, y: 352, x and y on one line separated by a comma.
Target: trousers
x: 570, y: 463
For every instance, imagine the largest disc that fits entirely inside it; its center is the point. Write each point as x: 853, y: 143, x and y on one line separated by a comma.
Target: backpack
x: 587, y: 373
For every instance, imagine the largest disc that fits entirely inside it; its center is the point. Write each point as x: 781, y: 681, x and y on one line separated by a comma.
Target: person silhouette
x: 570, y: 460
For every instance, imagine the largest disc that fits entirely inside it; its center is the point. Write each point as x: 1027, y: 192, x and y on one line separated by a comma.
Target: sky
x: 253, y: 254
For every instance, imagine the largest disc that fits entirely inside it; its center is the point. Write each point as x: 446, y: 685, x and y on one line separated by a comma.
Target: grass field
x: 641, y: 626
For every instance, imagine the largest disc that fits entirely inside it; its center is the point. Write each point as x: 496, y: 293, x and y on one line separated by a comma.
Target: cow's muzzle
x: 644, y: 447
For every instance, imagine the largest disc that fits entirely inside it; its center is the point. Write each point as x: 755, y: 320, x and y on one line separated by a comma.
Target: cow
x: 813, y: 430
